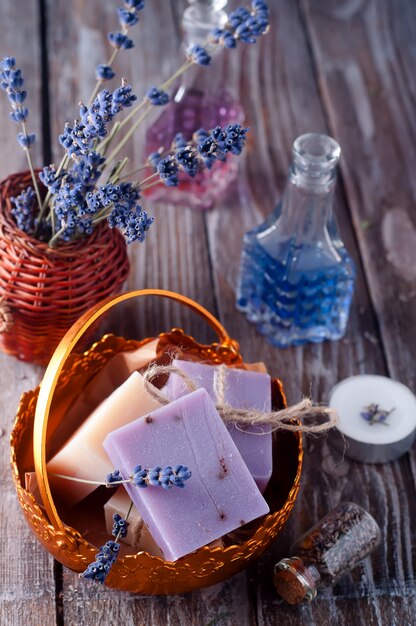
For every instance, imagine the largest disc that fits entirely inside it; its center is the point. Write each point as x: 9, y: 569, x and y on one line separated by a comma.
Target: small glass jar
x: 333, y: 547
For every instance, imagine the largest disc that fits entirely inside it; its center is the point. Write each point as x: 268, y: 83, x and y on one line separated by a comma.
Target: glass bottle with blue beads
x: 296, y: 278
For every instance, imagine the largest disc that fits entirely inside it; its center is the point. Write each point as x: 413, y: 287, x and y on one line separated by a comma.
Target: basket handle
x: 53, y: 371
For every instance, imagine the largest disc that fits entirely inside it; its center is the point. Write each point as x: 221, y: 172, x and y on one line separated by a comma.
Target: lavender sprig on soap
x: 165, y: 477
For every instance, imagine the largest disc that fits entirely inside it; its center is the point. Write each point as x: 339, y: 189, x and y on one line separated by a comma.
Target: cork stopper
x: 293, y: 581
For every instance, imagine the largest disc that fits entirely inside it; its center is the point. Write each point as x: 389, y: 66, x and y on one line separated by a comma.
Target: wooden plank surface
x: 343, y: 68
x: 367, y: 82
x: 292, y: 101
x: 27, y: 587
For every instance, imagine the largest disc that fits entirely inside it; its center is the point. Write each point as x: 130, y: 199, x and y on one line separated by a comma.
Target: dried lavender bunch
x: 77, y: 197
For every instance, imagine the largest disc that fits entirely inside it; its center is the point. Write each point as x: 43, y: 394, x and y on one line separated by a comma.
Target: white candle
x: 377, y: 417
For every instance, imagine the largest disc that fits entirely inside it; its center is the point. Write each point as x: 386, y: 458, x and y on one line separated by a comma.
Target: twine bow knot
x: 291, y: 418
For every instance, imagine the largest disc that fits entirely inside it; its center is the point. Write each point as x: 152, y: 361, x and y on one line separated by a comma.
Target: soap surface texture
x: 243, y: 390
x: 221, y: 494
x: 83, y: 456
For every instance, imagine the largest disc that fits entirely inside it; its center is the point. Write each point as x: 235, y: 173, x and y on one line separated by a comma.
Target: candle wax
x: 221, y: 494
x: 243, y: 390
x: 379, y: 441
x: 83, y: 455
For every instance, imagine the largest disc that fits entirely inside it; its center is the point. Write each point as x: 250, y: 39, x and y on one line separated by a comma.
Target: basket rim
x: 77, y: 551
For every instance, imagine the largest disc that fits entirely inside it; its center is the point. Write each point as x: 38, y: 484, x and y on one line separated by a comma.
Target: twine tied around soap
x: 291, y: 418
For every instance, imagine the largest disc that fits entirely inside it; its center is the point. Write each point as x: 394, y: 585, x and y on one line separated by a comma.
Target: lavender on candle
x: 373, y: 414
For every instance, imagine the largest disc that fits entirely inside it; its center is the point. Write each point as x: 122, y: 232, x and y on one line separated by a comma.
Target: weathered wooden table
x: 345, y: 67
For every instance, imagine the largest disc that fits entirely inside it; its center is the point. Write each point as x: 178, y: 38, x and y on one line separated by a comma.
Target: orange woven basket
x: 43, y: 291
x: 58, y: 527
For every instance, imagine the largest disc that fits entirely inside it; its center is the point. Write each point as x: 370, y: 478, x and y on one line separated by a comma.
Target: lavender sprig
x: 205, y: 149
x: 98, y: 570
x: 128, y: 16
x: 74, y: 203
x: 373, y: 414
x: 165, y: 477
x: 243, y: 25
x: 11, y: 81
x: 120, y: 526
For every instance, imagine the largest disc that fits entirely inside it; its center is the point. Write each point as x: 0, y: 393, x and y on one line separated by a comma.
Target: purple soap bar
x: 243, y: 390
x: 220, y: 496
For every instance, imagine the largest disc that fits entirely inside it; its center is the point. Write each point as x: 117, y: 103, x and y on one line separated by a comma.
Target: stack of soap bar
x: 243, y: 390
x: 221, y: 494
x: 137, y: 532
x: 114, y: 373
x: 83, y: 455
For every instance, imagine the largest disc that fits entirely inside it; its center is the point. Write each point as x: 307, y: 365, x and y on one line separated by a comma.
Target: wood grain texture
x: 288, y: 105
x: 340, y: 67
x: 368, y: 91
x: 27, y: 588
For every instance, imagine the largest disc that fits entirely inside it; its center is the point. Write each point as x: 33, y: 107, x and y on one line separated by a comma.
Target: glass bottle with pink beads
x: 201, y: 100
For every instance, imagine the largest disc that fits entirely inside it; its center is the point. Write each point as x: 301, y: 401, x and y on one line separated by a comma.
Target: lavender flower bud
x: 26, y: 140
x: 197, y: 54
x: 127, y: 18
x: 120, y: 40
x: 157, y: 97
x: 168, y: 169
x: 104, y: 72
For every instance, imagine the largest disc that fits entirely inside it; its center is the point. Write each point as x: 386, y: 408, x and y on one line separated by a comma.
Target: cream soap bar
x: 243, y: 390
x: 221, y: 494
x: 83, y: 456
x: 137, y: 532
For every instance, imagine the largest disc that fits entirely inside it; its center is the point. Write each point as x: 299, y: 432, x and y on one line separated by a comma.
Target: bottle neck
x: 200, y: 19
x: 296, y: 581
x: 306, y: 206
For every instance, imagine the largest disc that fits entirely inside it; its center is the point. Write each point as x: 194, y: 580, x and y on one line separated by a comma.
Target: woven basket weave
x: 43, y: 291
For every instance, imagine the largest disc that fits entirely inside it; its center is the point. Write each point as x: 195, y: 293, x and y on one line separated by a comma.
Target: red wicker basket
x: 43, y: 291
